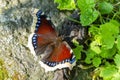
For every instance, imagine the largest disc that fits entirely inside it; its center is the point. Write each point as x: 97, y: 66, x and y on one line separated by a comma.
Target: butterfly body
x: 56, y: 53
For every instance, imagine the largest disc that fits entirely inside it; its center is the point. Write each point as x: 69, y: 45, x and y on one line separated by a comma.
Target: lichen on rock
x: 17, y: 21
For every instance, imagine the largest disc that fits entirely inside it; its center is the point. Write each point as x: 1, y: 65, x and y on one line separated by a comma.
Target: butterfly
x: 55, y: 52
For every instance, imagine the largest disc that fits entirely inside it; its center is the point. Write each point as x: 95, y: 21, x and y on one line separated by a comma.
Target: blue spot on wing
x: 34, y: 41
x: 73, y: 60
x: 39, y: 13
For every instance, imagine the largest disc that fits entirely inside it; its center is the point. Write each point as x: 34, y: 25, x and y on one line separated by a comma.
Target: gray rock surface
x: 17, y: 21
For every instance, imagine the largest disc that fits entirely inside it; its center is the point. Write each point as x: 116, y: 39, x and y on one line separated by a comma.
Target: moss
x: 3, y: 71
x: 17, y: 76
x: 4, y: 74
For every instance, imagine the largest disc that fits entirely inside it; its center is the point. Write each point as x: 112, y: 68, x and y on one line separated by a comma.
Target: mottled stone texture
x: 17, y: 21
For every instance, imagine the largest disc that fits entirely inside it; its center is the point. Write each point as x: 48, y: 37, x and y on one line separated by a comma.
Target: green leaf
x: 118, y: 42
x: 117, y: 60
x: 88, y: 60
x: 96, y: 61
x: 108, y: 53
x: 108, y: 72
x: 77, y: 51
x: 85, y: 4
x: 89, y: 16
x: 108, y: 41
x: 109, y: 31
x: 116, y: 76
x: 65, y: 4
x: 105, y: 7
x: 89, y: 56
x: 110, y: 28
x: 95, y: 47
x: 94, y: 30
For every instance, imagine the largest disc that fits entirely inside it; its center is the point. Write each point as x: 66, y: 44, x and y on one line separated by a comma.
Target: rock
x: 17, y: 21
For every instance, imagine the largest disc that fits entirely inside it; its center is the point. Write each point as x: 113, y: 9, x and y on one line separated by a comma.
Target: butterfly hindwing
x: 61, y: 51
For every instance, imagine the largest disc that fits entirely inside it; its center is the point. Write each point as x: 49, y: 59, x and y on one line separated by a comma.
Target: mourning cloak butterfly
x: 56, y: 53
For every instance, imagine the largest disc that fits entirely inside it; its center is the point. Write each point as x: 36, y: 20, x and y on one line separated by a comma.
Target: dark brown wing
x: 60, y: 52
x: 44, y: 34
